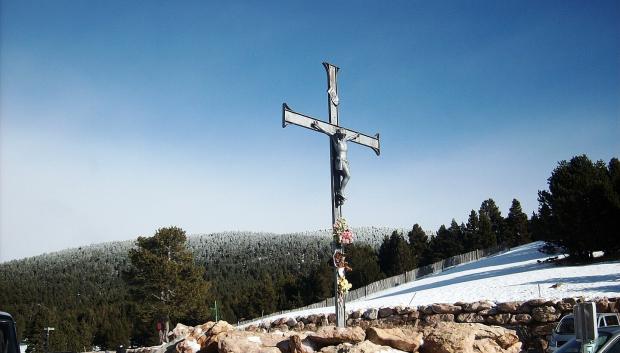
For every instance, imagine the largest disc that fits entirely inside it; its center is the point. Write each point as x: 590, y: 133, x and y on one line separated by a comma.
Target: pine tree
x: 472, y: 232
x: 516, y: 225
x: 485, y: 232
x: 365, y: 264
x: 419, y: 244
x: 165, y: 283
x: 394, y: 255
x: 490, y: 209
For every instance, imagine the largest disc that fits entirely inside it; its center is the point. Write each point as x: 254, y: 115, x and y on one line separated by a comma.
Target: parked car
x: 8, y: 335
x: 608, y: 341
x: 565, y: 330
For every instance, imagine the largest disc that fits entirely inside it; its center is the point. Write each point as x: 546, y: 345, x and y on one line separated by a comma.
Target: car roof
x: 4, y: 315
x: 610, y: 329
x: 597, y: 314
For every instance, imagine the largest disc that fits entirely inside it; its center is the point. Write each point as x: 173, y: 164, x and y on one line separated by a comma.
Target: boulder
x: 356, y: 314
x: 371, y: 314
x: 521, y: 319
x: 433, y: 319
x: 545, y: 313
x: 477, y: 306
x: 295, y: 344
x: 385, y: 312
x: 363, y: 347
x: 470, y: 317
x: 249, y: 342
x: 508, y: 307
x: 332, y: 335
x: 180, y: 331
x: 536, y: 302
x: 498, y: 319
x: 543, y: 330
x: 469, y: 338
x: 399, y: 338
x: 445, y: 309
x: 602, y: 305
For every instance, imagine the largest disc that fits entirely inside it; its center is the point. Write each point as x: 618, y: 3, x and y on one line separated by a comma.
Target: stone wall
x: 533, y: 320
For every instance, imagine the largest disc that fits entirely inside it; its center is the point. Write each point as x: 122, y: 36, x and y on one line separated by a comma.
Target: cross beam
x: 291, y: 117
x: 339, y: 165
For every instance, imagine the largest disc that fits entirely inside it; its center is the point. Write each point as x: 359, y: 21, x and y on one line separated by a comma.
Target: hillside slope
x: 513, y: 275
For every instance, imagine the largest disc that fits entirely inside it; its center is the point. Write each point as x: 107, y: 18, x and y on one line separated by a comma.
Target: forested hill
x: 75, y: 288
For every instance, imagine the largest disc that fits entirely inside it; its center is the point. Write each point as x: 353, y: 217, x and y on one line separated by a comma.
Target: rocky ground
x: 442, y: 337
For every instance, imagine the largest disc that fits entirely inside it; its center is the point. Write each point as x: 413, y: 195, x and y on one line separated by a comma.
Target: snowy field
x: 509, y: 276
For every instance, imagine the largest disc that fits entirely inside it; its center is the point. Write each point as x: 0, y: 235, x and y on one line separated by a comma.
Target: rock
x: 295, y: 345
x: 564, y: 306
x: 310, y: 327
x: 188, y: 345
x: 290, y: 322
x: 543, y: 330
x: 212, y: 333
x: 385, y: 312
x: 413, y: 316
x: 445, y: 309
x: 522, y: 319
x: 469, y: 338
x: 572, y: 301
x: 536, y: 302
x: 477, y: 306
x: 405, y: 310
x: 331, y: 318
x: 602, y: 305
x: 356, y: 314
x: 312, y: 319
x: 299, y: 326
x: 470, y: 318
x: 508, y: 307
x: 498, y: 319
x: 180, y: 331
x: 249, y: 342
x: 545, y: 313
x: 433, y: 319
x: 332, y: 335
x: 371, y: 314
x: 369, y: 347
x: 394, y: 320
x: 398, y: 338
x: 614, y: 306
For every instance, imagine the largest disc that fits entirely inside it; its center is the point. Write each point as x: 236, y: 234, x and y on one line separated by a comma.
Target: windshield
x: 7, y: 337
x: 567, y: 326
x: 574, y: 346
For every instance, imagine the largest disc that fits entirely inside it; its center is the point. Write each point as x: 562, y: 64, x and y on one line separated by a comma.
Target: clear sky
x: 120, y: 117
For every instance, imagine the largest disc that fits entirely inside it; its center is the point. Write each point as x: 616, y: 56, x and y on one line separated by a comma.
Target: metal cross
x: 338, y: 162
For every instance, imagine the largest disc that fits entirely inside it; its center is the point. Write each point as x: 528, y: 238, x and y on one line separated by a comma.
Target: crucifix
x: 339, y: 165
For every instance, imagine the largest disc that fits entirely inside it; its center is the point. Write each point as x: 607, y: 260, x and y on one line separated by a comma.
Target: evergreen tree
x: 419, y: 244
x: 490, y: 209
x: 365, y: 264
x: 516, y: 231
x: 472, y: 232
x: 485, y: 232
x: 165, y: 283
x: 581, y: 210
x: 394, y: 255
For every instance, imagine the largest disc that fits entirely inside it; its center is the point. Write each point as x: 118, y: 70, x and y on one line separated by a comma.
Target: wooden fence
x: 393, y: 281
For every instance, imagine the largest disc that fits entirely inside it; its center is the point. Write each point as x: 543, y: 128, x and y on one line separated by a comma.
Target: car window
x: 615, y: 347
x: 611, y: 320
x: 567, y: 326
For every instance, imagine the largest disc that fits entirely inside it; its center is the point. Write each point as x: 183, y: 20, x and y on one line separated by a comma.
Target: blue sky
x: 119, y: 117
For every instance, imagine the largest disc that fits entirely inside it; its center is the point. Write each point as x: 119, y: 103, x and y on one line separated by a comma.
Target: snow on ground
x: 511, y: 275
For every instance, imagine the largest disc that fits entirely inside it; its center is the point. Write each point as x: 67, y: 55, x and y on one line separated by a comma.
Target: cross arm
x: 291, y: 117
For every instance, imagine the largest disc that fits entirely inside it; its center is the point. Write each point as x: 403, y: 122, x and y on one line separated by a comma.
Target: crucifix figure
x: 339, y: 164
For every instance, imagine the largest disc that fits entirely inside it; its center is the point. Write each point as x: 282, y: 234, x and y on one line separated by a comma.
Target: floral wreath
x: 342, y: 236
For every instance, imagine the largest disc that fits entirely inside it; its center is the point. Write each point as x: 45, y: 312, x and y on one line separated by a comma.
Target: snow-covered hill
x: 511, y: 275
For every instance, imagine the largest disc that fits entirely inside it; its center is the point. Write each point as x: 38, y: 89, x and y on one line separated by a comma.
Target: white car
x: 565, y: 330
